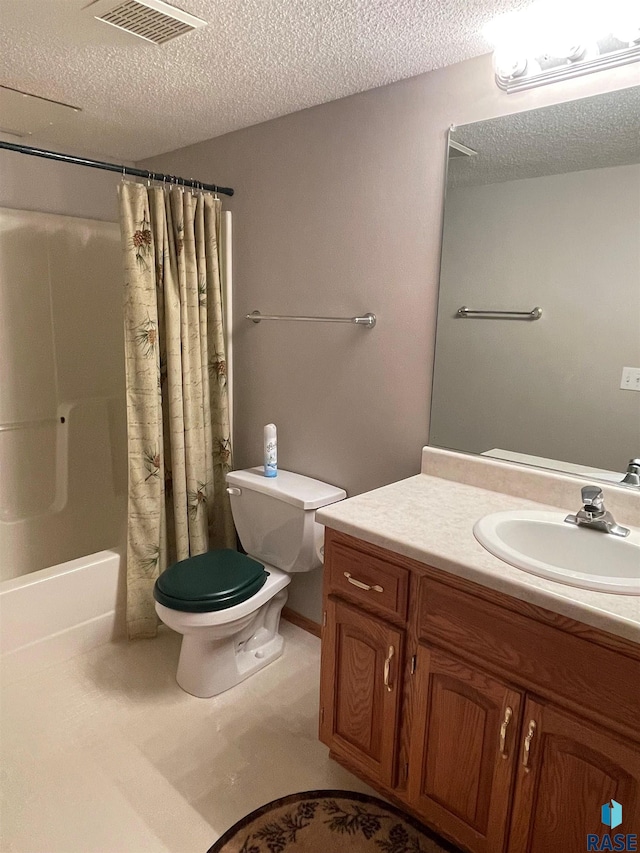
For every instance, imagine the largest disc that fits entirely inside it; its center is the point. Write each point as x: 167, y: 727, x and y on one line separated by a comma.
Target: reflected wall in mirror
x: 543, y: 212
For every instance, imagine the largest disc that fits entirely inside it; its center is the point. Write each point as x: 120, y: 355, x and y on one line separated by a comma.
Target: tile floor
x: 105, y: 753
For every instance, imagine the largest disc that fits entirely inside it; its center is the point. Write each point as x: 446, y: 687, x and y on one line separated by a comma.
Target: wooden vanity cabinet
x: 363, y: 649
x: 573, y: 768
x: 463, y: 750
x: 477, y: 736
x: 502, y: 726
x: 360, y: 674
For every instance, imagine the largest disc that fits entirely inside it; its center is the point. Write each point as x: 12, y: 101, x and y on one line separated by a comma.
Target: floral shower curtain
x: 177, y: 401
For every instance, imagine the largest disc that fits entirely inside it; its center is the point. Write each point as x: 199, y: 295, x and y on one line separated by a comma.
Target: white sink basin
x: 544, y: 544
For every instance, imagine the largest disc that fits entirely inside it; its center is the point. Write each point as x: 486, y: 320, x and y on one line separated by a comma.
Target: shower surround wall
x: 63, y: 485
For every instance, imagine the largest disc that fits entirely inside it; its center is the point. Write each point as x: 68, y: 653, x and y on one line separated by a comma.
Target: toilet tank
x: 275, y: 516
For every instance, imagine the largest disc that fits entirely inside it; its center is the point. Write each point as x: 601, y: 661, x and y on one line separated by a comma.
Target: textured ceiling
x: 591, y: 133
x: 257, y: 59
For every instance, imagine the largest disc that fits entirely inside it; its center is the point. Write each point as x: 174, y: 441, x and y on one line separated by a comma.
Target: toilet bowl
x: 223, y: 647
x: 227, y: 605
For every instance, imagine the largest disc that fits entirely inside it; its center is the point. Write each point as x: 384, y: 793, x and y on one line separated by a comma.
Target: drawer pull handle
x: 375, y: 587
x: 387, y: 668
x: 527, y: 745
x: 503, y: 731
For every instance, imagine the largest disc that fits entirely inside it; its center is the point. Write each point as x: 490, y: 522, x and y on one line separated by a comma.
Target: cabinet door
x: 567, y: 770
x: 360, y: 689
x: 463, y: 750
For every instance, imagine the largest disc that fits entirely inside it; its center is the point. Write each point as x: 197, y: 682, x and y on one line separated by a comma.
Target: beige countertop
x: 431, y: 520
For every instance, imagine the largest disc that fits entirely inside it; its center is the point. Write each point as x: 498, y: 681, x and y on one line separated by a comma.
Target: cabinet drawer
x: 537, y: 656
x: 376, y: 583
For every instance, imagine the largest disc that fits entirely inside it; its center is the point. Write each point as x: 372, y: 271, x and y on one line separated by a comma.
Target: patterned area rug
x: 329, y: 822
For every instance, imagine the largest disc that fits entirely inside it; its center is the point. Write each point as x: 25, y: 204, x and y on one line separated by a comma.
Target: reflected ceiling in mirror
x: 545, y: 212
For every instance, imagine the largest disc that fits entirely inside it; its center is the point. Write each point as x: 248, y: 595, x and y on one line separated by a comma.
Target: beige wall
x: 33, y: 183
x: 338, y: 211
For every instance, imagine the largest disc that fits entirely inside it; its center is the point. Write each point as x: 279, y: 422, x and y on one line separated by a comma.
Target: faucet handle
x: 632, y: 475
x: 592, y: 498
x: 594, y: 515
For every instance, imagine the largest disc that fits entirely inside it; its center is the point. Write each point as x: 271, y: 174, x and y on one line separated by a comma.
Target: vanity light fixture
x: 553, y: 40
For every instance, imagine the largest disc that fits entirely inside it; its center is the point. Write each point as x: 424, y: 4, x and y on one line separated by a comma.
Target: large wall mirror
x: 542, y: 211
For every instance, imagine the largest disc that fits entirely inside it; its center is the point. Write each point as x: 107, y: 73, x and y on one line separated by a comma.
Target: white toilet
x: 226, y: 604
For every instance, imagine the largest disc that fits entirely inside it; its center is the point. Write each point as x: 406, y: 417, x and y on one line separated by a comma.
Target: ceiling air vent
x: 152, y: 20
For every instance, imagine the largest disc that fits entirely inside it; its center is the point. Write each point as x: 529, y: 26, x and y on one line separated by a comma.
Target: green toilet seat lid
x: 212, y: 581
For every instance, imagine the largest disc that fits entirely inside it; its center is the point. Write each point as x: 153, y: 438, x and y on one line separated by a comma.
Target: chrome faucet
x: 632, y: 477
x: 593, y: 513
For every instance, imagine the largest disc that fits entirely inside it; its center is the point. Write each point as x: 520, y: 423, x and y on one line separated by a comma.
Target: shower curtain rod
x: 113, y: 167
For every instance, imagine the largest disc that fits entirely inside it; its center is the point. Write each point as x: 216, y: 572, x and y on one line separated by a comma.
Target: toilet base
x: 193, y: 677
x: 208, y: 666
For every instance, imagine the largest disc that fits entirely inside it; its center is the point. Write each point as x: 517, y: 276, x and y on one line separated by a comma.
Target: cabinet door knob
x: 527, y: 745
x: 387, y: 668
x: 503, y: 731
x: 376, y: 587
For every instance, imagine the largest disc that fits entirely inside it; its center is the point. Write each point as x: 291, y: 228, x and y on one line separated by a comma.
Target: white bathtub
x: 55, y: 613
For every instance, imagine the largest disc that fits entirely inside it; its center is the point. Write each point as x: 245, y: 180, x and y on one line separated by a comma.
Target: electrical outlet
x: 630, y: 379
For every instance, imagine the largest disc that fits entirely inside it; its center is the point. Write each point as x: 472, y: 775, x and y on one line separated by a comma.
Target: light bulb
x: 581, y: 53
x: 626, y: 32
x: 507, y: 63
x: 533, y: 68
